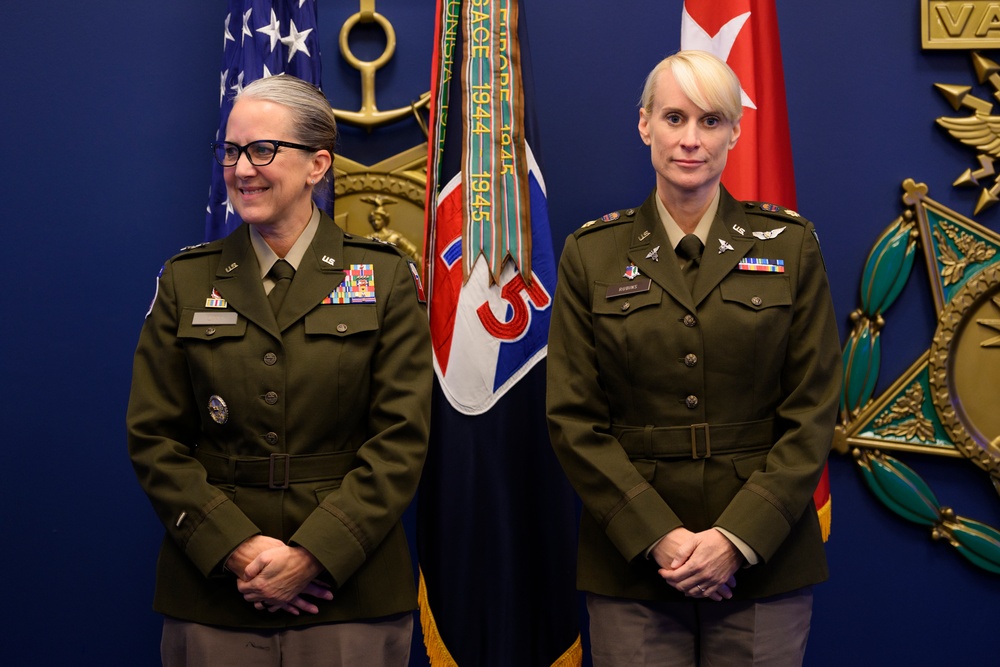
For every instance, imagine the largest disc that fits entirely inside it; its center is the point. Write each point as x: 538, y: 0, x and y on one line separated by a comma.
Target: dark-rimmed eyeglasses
x: 260, y: 153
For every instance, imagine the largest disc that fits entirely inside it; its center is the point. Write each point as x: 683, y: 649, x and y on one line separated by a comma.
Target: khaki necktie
x: 281, y: 273
x: 689, y: 249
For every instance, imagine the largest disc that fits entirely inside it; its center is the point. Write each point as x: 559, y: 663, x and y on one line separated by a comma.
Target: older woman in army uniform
x: 692, y: 398
x: 279, y: 414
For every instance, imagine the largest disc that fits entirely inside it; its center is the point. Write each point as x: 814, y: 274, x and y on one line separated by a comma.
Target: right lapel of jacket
x: 647, y: 233
x: 237, y: 278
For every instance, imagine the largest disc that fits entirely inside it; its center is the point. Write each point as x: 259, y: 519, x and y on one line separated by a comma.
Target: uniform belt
x: 276, y: 471
x: 696, y: 441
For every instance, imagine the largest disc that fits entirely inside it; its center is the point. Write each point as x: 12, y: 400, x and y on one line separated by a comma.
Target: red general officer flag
x: 744, y: 33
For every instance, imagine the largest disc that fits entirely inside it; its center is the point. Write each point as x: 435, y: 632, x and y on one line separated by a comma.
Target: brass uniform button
x: 691, y: 401
x: 341, y: 327
x: 270, y: 359
x: 691, y: 360
x: 271, y: 438
x: 690, y: 320
x: 756, y: 301
x: 271, y: 398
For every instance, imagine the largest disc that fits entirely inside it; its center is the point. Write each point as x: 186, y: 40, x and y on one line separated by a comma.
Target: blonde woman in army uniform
x: 692, y: 399
x: 279, y: 414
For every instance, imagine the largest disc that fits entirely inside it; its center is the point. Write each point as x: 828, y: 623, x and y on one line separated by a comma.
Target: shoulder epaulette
x: 774, y: 211
x: 373, y: 241
x: 199, y: 249
x: 613, y: 218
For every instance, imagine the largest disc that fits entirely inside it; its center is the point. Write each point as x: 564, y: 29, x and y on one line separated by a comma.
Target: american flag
x: 261, y: 38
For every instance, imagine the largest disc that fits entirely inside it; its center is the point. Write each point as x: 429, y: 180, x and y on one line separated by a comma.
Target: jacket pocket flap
x: 342, y: 319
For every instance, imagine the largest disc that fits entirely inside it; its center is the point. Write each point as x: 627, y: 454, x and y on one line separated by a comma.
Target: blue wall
x: 108, y: 112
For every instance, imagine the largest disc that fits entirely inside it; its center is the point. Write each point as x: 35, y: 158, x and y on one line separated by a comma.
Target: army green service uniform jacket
x: 717, y: 409
x: 310, y: 427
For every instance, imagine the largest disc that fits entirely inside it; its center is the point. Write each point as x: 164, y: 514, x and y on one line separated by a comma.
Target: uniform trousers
x: 376, y: 643
x: 769, y: 632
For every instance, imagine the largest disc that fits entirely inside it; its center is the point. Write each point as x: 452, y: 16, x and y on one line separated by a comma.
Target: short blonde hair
x: 707, y: 81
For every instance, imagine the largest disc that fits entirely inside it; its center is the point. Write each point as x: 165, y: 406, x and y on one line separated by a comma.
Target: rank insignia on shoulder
x: 192, y: 247
x: 769, y: 234
x: 588, y: 224
x: 611, y: 216
x: 358, y: 286
x: 792, y: 213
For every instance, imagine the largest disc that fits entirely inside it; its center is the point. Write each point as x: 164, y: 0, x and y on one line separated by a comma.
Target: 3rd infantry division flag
x: 261, y: 38
x: 744, y: 33
x: 496, y: 516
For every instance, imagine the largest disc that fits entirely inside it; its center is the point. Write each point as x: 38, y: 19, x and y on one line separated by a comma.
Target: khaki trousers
x: 770, y: 632
x: 376, y: 643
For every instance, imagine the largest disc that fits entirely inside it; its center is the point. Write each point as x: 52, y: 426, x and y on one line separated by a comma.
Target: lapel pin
x: 642, y: 237
x: 739, y: 230
x: 215, y: 300
x: 329, y: 260
x: 724, y: 246
x: 654, y: 254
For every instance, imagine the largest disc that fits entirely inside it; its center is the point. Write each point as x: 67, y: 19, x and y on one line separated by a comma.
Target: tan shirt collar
x: 674, y: 232
x: 267, y: 257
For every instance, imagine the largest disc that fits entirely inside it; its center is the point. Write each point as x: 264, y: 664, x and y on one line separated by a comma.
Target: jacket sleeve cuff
x: 335, y: 541
x: 222, y: 530
x: 642, y: 521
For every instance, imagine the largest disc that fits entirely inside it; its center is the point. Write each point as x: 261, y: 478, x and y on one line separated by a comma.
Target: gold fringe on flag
x: 440, y: 656
x: 825, y: 514
x: 437, y: 652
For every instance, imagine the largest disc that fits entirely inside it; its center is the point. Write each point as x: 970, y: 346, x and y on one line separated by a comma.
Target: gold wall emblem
x: 945, y: 403
x: 960, y: 24
x: 385, y: 200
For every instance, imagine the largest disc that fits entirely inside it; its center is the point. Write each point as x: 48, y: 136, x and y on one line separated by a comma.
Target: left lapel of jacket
x: 718, y: 261
x: 320, y: 272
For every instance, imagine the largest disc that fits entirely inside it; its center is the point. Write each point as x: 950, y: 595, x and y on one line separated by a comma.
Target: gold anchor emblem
x: 400, y: 179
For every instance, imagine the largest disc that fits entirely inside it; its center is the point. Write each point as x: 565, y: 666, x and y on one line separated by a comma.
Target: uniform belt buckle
x: 286, y: 468
x: 694, y: 441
